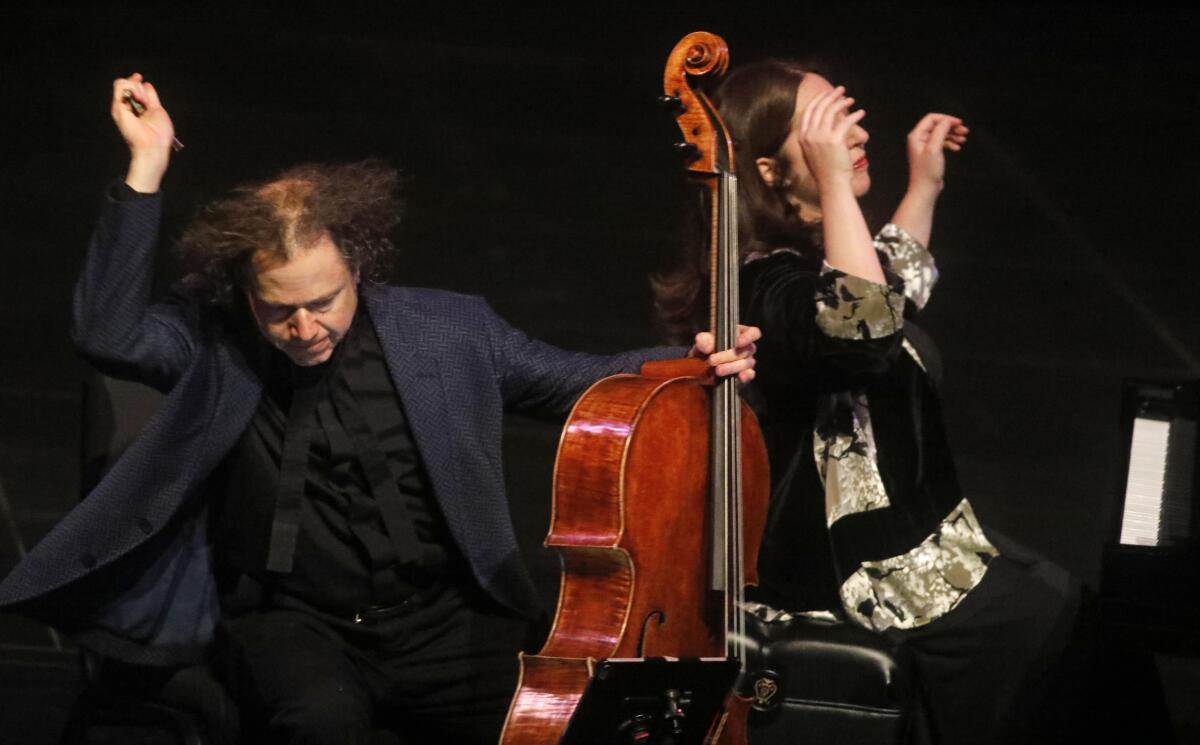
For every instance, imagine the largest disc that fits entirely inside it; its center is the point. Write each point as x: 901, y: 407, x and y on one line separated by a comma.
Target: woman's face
x: 797, y: 180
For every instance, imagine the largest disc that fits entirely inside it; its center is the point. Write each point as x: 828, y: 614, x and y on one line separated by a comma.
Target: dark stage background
x: 538, y: 173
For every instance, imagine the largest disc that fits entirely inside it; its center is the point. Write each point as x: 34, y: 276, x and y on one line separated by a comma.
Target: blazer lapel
x: 470, y: 496
x: 415, y: 371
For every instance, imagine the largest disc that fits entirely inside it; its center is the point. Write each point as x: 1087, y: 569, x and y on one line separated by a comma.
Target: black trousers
x: 443, y: 672
x: 993, y: 665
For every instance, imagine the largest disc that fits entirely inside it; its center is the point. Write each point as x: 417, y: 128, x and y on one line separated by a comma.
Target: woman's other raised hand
x: 927, y: 143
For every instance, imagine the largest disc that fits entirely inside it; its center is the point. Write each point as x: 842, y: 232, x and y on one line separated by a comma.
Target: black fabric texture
x: 443, y: 671
x: 983, y: 663
x: 353, y: 524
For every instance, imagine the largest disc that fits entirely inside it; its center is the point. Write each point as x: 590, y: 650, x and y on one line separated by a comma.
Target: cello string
x: 721, y: 395
x: 734, y: 261
x: 718, y: 473
x: 731, y: 639
x: 730, y: 423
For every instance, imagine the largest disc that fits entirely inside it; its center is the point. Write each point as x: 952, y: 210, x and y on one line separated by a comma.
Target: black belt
x: 250, y: 595
x: 373, y: 614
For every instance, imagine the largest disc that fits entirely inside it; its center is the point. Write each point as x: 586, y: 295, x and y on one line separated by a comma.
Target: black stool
x: 825, y: 680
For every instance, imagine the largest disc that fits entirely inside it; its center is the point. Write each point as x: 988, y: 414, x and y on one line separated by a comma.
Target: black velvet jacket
x: 801, y: 367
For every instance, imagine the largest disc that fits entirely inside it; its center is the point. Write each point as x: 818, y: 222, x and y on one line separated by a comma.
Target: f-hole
x: 662, y: 620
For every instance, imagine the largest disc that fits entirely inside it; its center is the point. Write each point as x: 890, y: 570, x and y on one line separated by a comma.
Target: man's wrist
x: 146, y: 172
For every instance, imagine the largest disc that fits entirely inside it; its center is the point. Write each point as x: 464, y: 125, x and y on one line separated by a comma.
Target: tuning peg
x: 687, y: 150
x: 672, y: 102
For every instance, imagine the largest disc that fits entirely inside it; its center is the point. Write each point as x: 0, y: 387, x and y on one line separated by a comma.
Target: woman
x: 866, y: 514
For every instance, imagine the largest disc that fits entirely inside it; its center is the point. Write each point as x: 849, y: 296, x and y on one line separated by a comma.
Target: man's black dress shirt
x: 361, y: 542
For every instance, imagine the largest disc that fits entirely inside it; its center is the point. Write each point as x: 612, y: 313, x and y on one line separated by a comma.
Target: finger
x: 740, y: 352
x: 839, y: 106
x: 928, y: 123
x: 133, y: 88
x: 728, y: 357
x: 746, y: 376
x: 734, y: 368
x: 115, y: 104
x: 121, y: 88
x: 850, y: 120
x: 747, y: 350
x: 151, y: 96
x: 952, y: 146
x: 937, y: 137
x: 704, y: 343
x: 814, y: 112
x: 923, y: 126
x: 806, y: 116
x: 748, y: 335
x: 833, y: 103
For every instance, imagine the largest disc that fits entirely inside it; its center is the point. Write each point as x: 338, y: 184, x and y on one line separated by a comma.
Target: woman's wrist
x: 924, y: 185
x: 831, y: 189
x: 914, y: 214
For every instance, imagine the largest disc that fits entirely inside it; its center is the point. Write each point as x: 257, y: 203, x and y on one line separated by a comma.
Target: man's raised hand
x: 149, y: 134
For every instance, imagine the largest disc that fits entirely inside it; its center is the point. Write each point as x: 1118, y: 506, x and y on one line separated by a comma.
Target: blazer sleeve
x: 113, y: 323
x: 538, y: 378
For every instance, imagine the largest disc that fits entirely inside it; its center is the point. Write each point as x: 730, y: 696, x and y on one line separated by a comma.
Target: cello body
x: 661, y: 483
x: 631, y: 524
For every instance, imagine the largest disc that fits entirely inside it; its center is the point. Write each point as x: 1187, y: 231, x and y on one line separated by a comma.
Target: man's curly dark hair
x: 358, y: 204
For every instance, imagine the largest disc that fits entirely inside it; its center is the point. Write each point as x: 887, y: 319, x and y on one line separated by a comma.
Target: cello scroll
x: 700, y: 54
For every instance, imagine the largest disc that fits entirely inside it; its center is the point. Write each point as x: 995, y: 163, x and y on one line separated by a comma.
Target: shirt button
x: 145, y: 526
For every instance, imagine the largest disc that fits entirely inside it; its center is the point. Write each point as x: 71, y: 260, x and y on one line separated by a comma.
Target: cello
x: 660, y: 484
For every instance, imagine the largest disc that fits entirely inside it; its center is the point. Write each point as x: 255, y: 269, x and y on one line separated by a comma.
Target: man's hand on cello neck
x: 738, y: 361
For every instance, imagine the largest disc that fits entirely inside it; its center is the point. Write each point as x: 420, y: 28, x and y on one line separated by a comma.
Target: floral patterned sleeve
x: 853, y: 308
x: 909, y: 260
x: 850, y: 307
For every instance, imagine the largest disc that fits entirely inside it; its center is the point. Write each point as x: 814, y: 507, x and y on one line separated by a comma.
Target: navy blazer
x: 128, y: 571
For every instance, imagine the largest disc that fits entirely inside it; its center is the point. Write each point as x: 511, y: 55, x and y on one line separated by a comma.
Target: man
x: 337, y: 444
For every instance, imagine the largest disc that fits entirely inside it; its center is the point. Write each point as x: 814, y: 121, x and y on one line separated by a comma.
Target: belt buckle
x: 382, y: 612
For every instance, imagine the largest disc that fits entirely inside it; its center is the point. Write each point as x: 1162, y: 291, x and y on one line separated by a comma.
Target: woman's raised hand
x: 927, y: 143
x: 824, y: 125
x: 148, y: 134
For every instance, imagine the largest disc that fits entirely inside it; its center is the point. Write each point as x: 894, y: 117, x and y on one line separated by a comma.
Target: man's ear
x: 768, y: 169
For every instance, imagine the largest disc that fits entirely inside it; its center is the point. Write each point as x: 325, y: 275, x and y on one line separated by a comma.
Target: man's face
x: 304, y: 305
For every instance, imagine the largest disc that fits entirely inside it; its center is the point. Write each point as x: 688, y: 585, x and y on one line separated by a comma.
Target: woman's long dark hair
x: 757, y: 103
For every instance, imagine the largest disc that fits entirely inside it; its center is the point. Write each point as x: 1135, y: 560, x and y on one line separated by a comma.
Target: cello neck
x: 707, y: 141
x: 728, y: 555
